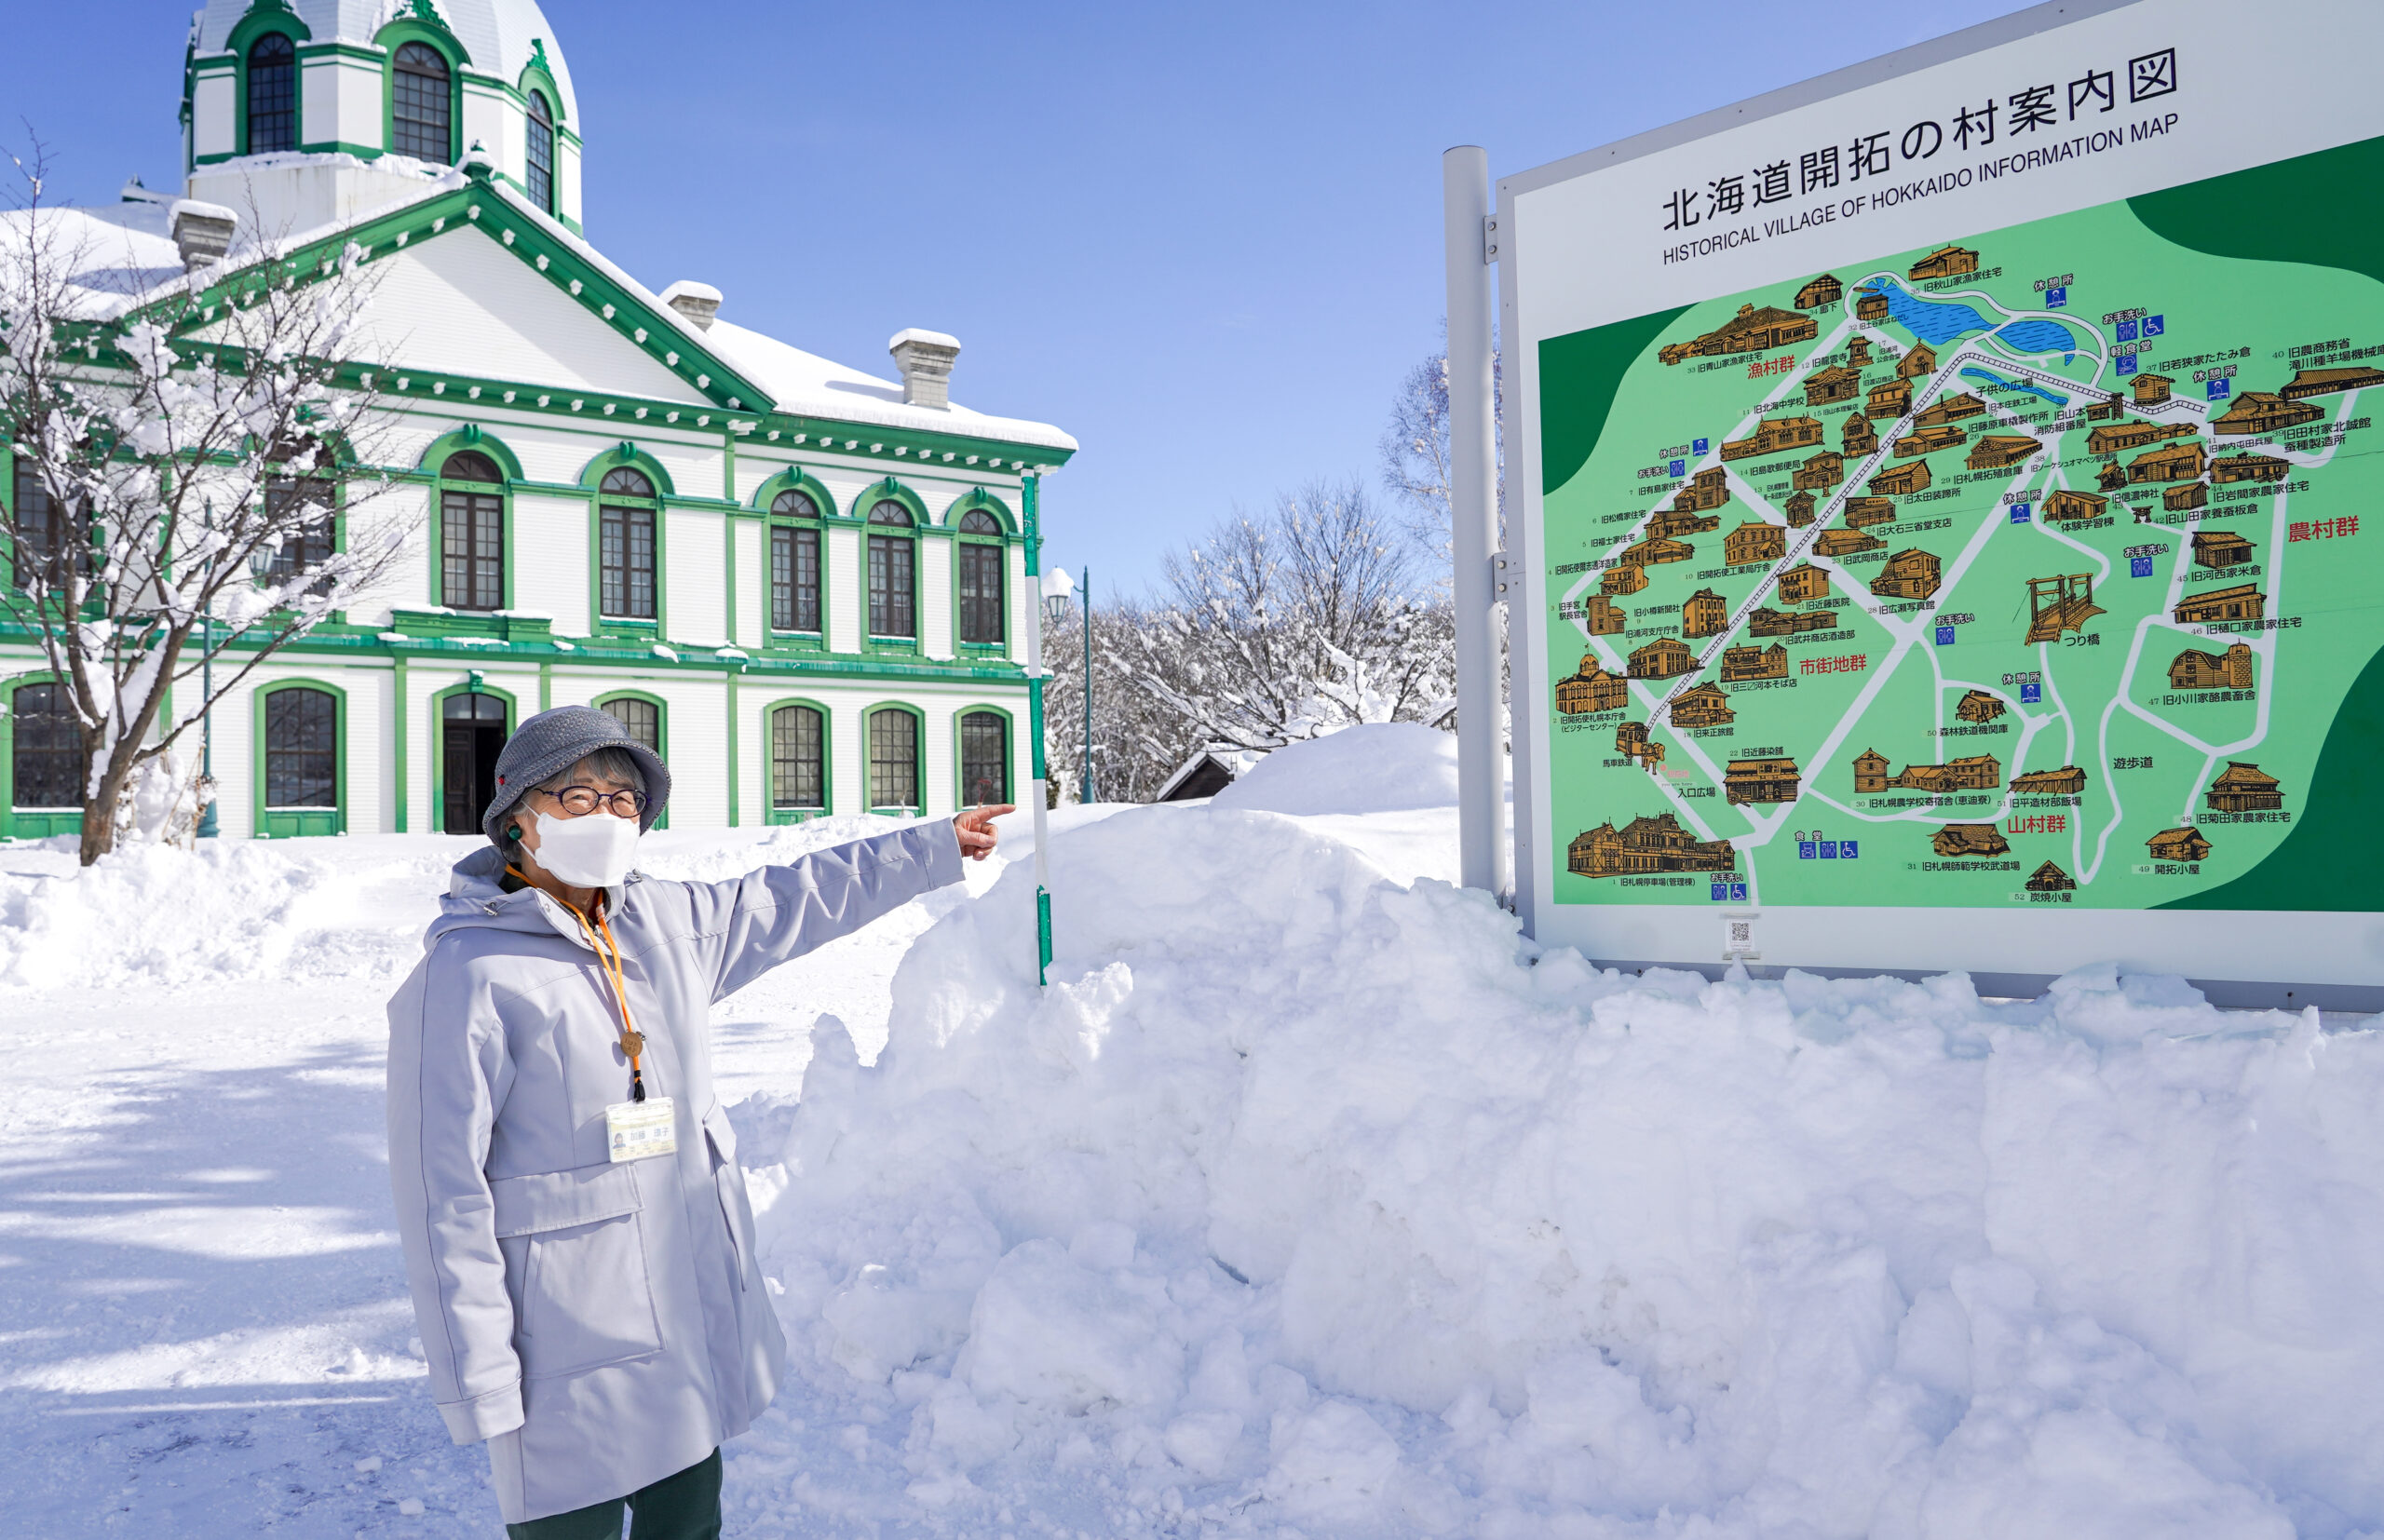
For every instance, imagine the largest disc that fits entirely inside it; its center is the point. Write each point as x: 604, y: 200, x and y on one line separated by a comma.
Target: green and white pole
x: 1037, y: 796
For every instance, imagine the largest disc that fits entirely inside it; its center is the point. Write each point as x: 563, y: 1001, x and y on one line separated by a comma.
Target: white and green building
x: 804, y: 583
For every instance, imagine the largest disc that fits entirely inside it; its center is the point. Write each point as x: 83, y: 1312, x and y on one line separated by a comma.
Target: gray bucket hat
x: 552, y: 742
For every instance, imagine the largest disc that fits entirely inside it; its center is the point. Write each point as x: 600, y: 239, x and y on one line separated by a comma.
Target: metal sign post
x: 1482, y: 857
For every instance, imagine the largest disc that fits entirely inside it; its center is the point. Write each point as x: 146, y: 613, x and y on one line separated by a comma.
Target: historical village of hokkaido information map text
x: 2039, y: 567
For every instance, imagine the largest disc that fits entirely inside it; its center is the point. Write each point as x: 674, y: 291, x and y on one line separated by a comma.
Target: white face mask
x: 594, y: 850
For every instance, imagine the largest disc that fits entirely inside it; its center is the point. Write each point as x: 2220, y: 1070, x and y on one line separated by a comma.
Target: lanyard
x: 608, y: 957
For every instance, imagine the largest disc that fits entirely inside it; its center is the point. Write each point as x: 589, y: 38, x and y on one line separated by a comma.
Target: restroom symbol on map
x: 1678, y: 468
x: 2139, y: 566
x: 2124, y: 333
x: 1944, y: 636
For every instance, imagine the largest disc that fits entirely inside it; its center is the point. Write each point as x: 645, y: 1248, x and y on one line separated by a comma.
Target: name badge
x: 638, y: 1130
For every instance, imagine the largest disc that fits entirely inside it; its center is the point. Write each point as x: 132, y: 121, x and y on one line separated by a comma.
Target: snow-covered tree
x: 1294, y: 624
x: 1415, y: 449
x: 184, y: 491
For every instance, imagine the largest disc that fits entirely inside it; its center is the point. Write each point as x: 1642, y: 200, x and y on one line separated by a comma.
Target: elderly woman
x: 576, y: 1236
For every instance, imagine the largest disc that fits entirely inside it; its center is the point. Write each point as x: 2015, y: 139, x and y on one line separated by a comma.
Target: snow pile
x: 156, y: 914
x: 1377, y: 767
x: 1307, y: 1202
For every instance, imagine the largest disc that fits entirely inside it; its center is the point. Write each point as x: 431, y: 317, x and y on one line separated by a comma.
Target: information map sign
x: 1951, y: 526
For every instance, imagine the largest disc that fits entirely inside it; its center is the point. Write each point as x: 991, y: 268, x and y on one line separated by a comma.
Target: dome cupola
x: 311, y: 112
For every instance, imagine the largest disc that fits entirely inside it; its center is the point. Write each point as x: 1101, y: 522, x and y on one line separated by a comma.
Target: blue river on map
x: 1938, y: 322
x: 2031, y: 386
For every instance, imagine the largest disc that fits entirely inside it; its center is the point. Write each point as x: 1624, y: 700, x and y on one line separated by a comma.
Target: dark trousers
x: 686, y: 1507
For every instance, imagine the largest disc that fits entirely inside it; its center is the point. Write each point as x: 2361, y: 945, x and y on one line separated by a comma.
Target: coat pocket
x: 728, y: 1181
x: 586, y: 1300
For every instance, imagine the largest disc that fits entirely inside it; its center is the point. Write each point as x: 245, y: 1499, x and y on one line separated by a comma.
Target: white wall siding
x: 319, y: 95
x: 551, y: 559
x: 697, y: 562
x: 935, y: 597
x: 752, y: 583
x: 848, y: 583
x: 361, y: 105
x: 490, y: 122
x: 212, y: 132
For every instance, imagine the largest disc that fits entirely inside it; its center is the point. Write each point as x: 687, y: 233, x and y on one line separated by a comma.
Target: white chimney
x: 202, y: 231
x: 698, y: 301
x: 926, y: 360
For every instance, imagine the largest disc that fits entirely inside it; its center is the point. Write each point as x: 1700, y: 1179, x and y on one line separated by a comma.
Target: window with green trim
x: 45, y: 532
x: 421, y: 105
x: 893, y: 572
x: 301, y: 747
x: 642, y: 719
x: 471, y: 532
x: 273, y: 95
x: 984, y: 758
x: 47, y: 768
x: 798, y: 759
x: 305, y: 509
x: 540, y: 158
x: 795, y: 563
x: 894, y: 760
x: 625, y: 525
x: 982, y: 577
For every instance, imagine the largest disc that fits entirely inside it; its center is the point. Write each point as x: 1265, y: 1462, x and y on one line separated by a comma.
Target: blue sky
x: 1204, y: 240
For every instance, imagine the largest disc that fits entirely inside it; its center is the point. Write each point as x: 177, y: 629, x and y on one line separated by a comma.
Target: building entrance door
x: 475, y: 730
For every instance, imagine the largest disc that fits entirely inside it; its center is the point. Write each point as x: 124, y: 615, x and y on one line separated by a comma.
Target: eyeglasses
x: 580, y: 801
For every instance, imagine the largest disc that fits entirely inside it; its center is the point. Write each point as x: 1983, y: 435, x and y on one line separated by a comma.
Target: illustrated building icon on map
x: 2151, y: 389
x: 1837, y: 543
x: 1604, y: 616
x: 1630, y: 741
x: 2185, y: 499
x: 1622, y: 578
x: 2050, y: 878
x: 2248, y: 468
x: 1770, y: 622
x: 2243, y: 788
x: 1754, y: 541
x: 1761, y: 780
x: 1928, y: 440
x: 1998, y: 449
x: 2068, y: 782
x: 1856, y: 435
x: 2193, y: 669
x: 1804, y: 581
x: 1902, y: 480
x: 1946, y: 262
x: 2307, y: 383
x: 2108, y: 410
x: 1590, y: 690
x: 2263, y: 412
x: 2220, y: 549
x: 1858, y: 350
x: 1970, y: 773
x: 1646, y: 846
x: 1921, y: 362
x: 1799, y: 509
x: 1739, y: 663
x: 1970, y: 838
x: 1820, y: 472
x: 1824, y: 289
x: 1750, y: 330
x: 1707, y: 489
x: 1888, y: 400
x: 1704, y: 614
x: 1701, y: 706
x: 1773, y: 435
x: 1978, y: 706
x: 2067, y: 503
x: 1666, y: 657
x: 2133, y: 433
x: 2179, y: 844
x: 1910, y: 573
x: 2243, y: 601
x: 1949, y: 408
x: 2180, y: 462
x: 1826, y: 385
x: 1656, y: 551
x: 1870, y: 304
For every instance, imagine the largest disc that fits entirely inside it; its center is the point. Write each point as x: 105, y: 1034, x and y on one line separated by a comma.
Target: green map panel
x: 2040, y: 568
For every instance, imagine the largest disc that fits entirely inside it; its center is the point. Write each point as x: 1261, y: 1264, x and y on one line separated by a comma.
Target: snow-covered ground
x: 1310, y: 1199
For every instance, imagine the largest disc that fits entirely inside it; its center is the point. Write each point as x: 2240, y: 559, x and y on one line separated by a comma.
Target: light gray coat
x: 601, y: 1325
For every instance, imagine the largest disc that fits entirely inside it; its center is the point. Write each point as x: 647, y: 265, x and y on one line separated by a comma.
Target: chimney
x: 698, y: 301
x: 202, y: 231
x: 924, y: 359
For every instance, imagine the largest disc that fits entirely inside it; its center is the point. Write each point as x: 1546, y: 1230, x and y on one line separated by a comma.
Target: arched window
x: 625, y: 525
x: 984, y: 758
x: 795, y: 563
x: 894, y: 761
x: 982, y: 559
x: 540, y: 160
x: 421, y: 106
x: 642, y: 718
x: 798, y: 759
x: 471, y: 532
x: 301, y: 747
x: 47, y: 764
x: 893, y: 573
x: 273, y: 95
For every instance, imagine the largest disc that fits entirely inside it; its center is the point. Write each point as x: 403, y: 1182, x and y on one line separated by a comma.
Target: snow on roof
x: 496, y: 35
x: 125, y: 256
